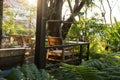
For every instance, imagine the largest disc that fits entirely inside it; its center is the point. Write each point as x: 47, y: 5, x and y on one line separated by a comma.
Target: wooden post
x: 87, y: 53
x: 40, y: 52
x: 80, y: 54
x: 1, y: 16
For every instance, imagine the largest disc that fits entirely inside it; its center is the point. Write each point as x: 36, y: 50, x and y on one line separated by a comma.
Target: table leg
x: 80, y: 54
x: 87, y: 53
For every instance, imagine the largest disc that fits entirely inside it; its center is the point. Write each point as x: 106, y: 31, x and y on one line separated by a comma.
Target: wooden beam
x: 40, y: 51
x: 58, y: 21
x: 1, y: 16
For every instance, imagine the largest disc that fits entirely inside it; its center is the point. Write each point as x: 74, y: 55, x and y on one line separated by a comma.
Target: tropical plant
x: 113, y: 72
x: 89, y: 28
x: 71, y: 72
x: 27, y: 72
x: 9, y: 24
x: 107, y: 67
x: 113, y: 36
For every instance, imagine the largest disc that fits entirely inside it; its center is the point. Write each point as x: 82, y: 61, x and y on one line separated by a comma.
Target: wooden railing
x: 80, y: 54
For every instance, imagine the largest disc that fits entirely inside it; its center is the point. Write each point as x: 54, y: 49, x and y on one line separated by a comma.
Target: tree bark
x: 104, y: 12
x: 110, y: 11
x: 55, y: 11
x: 1, y: 15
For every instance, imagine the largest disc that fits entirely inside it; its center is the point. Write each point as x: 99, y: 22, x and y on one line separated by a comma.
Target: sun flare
x: 32, y: 2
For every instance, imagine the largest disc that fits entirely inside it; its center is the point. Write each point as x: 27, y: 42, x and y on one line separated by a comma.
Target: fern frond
x: 98, y: 64
x: 87, y: 73
x: 113, y: 72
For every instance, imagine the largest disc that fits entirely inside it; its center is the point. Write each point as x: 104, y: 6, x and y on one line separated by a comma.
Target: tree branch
x: 65, y: 27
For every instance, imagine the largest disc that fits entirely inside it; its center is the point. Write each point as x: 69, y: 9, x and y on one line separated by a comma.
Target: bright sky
x: 114, y: 3
x: 32, y: 2
x: 115, y: 9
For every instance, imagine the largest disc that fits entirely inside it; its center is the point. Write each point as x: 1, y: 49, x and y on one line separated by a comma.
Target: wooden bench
x: 22, y: 40
x: 11, y: 57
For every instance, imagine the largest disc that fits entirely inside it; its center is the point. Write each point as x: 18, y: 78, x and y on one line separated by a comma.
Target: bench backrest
x: 11, y: 57
x: 22, y: 40
x: 52, y: 41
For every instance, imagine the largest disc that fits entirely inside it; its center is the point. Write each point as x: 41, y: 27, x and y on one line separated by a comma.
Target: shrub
x: 27, y: 72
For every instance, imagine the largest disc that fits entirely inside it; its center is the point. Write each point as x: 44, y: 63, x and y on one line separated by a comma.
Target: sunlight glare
x: 32, y: 2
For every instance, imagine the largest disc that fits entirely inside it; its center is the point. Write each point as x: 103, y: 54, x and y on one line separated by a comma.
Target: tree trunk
x: 1, y: 15
x: 55, y: 11
x: 104, y: 12
x: 110, y: 11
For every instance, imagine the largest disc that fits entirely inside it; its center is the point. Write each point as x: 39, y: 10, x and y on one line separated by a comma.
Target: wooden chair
x: 56, y: 54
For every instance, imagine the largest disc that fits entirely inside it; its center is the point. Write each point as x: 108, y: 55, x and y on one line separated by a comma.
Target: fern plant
x: 2, y: 79
x: 96, y: 63
x: 72, y: 72
x: 106, y: 67
x: 113, y: 72
x: 28, y: 72
x: 103, y: 60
